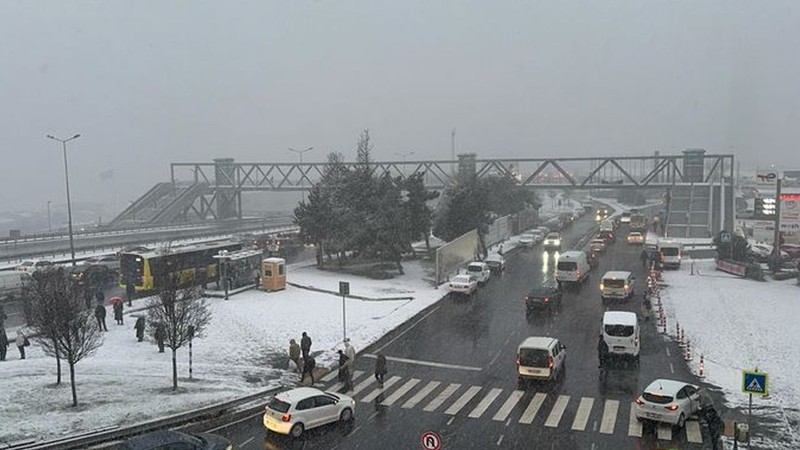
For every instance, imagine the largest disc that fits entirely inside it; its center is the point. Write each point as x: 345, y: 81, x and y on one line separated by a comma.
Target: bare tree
x: 178, y: 309
x: 65, y: 330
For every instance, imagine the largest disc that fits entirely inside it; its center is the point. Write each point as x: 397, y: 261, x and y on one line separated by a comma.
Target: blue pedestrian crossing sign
x: 754, y: 382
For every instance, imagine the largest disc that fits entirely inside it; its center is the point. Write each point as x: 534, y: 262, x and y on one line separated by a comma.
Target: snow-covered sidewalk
x: 742, y: 324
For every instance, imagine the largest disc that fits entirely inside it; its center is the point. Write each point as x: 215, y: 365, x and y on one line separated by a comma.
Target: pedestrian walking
x: 87, y: 298
x: 643, y: 257
x: 305, y: 345
x: 161, y: 336
x: 139, y: 327
x: 602, y: 352
x: 100, y: 315
x: 646, y: 306
x: 344, y: 372
x: 308, y: 368
x: 98, y: 295
x: 22, y: 342
x: 294, y: 354
x: 350, y: 352
x: 3, y: 344
x: 380, y: 369
x: 118, y: 306
x: 130, y: 290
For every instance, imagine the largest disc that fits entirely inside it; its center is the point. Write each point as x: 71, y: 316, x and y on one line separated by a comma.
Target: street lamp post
x: 49, y: 222
x: 404, y: 155
x: 302, y: 174
x: 69, y: 204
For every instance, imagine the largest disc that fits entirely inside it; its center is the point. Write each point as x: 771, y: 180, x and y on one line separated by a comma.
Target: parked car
x: 527, y: 240
x: 762, y: 252
x: 463, y: 284
x: 597, y: 245
x: 635, y: 237
x: 296, y: 410
x: 793, y: 250
x: 668, y: 401
x: 552, y: 241
x: 91, y: 275
x: 168, y: 439
x: 33, y: 265
x: 110, y: 261
x: 543, y: 297
x: 496, y: 263
x: 480, y: 270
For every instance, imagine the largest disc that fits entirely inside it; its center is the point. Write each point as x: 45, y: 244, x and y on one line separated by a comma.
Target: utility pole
x: 49, y: 222
x: 69, y: 204
x: 453, y: 149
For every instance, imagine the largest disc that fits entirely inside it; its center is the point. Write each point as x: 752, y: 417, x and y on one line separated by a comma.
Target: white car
x: 527, y: 240
x: 463, y: 284
x: 33, y: 265
x: 294, y: 411
x: 552, y: 241
x: 496, y: 263
x: 635, y: 237
x: 668, y: 401
x: 597, y: 245
x: 626, y: 217
x: 479, y: 270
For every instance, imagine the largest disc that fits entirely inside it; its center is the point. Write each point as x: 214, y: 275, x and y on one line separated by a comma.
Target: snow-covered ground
x: 743, y: 324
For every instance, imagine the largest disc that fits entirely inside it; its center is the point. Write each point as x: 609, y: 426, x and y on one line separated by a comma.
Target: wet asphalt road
x: 472, y: 343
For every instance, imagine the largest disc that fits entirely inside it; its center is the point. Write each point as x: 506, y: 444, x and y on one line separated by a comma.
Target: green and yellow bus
x: 192, y: 264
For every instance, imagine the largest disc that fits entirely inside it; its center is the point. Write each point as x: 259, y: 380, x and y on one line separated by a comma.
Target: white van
x: 607, y: 225
x: 621, y: 334
x: 617, y: 284
x: 572, y: 267
x: 540, y: 358
x: 670, y: 253
x: 479, y: 270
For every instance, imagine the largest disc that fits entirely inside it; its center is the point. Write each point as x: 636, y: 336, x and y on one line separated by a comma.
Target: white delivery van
x: 479, y: 270
x: 540, y: 358
x: 572, y: 267
x: 621, y: 334
x: 617, y: 285
x: 670, y: 253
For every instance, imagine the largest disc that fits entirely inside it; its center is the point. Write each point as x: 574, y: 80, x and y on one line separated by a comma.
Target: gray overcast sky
x: 150, y: 82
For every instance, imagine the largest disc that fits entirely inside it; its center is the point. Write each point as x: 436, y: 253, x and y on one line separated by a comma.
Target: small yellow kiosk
x: 273, y: 274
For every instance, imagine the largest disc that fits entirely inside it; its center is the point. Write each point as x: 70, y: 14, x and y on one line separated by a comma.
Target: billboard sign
x: 790, y: 212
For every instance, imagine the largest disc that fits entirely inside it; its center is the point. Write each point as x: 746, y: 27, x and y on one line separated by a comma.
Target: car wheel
x: 681, y: 421
x: 297, y: 430
x: 346, y: 415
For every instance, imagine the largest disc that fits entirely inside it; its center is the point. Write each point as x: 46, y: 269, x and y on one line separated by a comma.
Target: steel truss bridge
x: 213, y: 190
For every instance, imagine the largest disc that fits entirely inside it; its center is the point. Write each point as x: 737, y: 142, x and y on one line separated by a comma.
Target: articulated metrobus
x: 191, y: 264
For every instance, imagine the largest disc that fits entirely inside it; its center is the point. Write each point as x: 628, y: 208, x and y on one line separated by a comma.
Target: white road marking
x: 491, y: 363
x: 582, y: 416
x: 361, y: 386
x: 463, y: 400
x: 449, y: 422
x: 594, y: 426
x: 230, y: 424
x: 671, y: 369
x: 247, y: 441
x: 634, y: 426
x: 485, y: 403
x: 557, y: 411
x: 664, y: 432
x: 378, y: 391
x: 412, y: 402
x: 510, y: 403
x: 693, y: 433
x: 499, y: 440
x: 442, y: 397
x: 667, y: 349
x: 400, y: 392
x: 609, y: 417
x: 330, y: 376
x: 427, y: 363
x: 340, y: 385
x: 407, y: 329
x: 533, y: 408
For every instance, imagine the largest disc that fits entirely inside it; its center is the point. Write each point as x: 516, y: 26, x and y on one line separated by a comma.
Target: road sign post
x: 726, y: 238
x: 754, y: 382
x: 344, y: 291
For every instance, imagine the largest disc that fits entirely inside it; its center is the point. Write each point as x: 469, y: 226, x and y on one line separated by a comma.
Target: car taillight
x: 550, y: 362
x: 286, y: 417
x: 672, y: 407
x: 519, y: 361
x: 547, y: 299
x: 639, y: 401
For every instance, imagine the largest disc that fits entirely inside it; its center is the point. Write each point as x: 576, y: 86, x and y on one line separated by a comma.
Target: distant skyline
x: 149, y: 83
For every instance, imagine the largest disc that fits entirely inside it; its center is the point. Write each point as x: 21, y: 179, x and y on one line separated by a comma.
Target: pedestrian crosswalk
x: 502, y: 405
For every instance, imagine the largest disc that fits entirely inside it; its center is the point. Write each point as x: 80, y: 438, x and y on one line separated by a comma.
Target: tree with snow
x: 418, y: 214
x: 65, y: 329
x: 177, y: 309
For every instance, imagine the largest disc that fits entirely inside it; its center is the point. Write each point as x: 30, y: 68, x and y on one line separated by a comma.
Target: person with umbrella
x: 118, y: 304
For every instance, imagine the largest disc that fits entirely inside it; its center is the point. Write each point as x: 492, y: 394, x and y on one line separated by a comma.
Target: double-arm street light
x: 69, y: 204
x: 302, y: 173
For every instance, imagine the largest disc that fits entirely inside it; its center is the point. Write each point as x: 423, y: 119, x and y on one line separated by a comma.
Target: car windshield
x: 474, y: 268
x: 278, y: 405
x: 533, y: 357
x: 567, y: 265
x: 618, y: 330
x: 670, y: 251
x: 614, y: 282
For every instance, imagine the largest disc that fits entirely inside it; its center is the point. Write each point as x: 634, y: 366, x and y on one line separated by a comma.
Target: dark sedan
x: 167, y: 439
x: 545, y: 297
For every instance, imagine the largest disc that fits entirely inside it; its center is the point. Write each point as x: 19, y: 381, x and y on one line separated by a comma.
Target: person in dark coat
x: 308, y: 368
x: 3, y: 344
x: 305, y: 345
x: 139, y: 328
x: 98, y: 295
x: 87, y: 298
x: 344, y: 371
x: 3, y: 316
x: 602, y: 352
x: 130, y: 290
x: 118, y: 307
x: 161, y: 336
x: 380, y: 368
x: 294, y: 354
x: 643, y: 257
x: 100, y: 315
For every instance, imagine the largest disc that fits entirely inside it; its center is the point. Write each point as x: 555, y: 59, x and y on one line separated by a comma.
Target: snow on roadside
x: 128, y: 382
x: 740, y: 324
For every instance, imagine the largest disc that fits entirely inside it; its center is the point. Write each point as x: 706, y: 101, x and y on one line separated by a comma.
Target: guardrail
x: 97, y: 437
